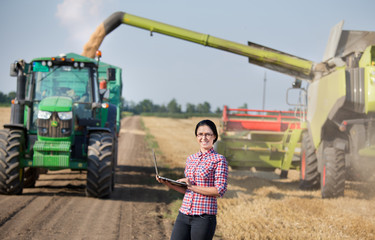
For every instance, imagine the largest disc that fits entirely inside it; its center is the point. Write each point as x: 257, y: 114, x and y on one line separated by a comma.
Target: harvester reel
x: 11, y: 175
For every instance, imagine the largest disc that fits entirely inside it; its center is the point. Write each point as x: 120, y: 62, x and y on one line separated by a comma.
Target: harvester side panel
x: 326, y: 92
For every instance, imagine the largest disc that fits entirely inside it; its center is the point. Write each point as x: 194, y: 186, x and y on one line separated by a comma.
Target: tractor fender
x: 98, y: 129
x: 112, y: 116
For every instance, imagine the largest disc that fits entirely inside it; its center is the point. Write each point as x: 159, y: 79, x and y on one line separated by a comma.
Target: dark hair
x: 210, y: 124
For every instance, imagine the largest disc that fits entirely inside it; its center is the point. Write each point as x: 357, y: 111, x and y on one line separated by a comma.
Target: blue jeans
x: 194, y: 227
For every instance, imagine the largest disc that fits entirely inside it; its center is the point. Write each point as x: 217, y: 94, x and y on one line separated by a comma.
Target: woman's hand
x: 171, y: 186
x: 162, y: 181
x: 185, y: 180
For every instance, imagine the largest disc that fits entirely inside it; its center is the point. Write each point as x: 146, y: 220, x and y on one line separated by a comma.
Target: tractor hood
x: 56, y: 104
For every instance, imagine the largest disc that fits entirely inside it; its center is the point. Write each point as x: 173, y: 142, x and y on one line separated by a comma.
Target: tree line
x: 6, y: 99
x: 173, y: 107
x: 144, y: 106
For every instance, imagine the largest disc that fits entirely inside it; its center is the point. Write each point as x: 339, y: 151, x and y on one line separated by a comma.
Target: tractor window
x: 64, y: 81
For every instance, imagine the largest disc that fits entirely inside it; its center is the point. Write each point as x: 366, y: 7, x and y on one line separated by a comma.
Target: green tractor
x: 64, y: 117
x: 339, y: 140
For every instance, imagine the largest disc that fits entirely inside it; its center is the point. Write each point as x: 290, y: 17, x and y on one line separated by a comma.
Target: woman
x: 206, y: 174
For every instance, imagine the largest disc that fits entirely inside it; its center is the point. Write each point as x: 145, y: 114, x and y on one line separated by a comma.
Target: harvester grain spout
x: 257, y: 54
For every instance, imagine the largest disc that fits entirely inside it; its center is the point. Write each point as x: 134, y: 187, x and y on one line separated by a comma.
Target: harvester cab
x: 61, y: 120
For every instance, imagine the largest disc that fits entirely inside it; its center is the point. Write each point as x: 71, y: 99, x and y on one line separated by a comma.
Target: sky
x: 162, y: 68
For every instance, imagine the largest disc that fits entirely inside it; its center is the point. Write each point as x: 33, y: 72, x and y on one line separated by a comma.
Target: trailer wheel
x: 31, y: 175
x: 11, y: 174
x: 309, y: 175
x: 99, y: 165
x: 333, y: 173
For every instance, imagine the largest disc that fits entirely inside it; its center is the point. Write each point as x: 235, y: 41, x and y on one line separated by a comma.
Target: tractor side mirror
x: 13, y: 70
x: 103, y: 90
x: 111, y: 74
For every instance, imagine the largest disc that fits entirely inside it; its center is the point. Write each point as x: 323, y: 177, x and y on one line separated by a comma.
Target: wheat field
x: 259, y: 205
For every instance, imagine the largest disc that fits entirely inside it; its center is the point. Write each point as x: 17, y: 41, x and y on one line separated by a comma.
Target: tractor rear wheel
x: 99, y: 165
x: 333, y: 173
x: 11, y: 174
x: 309, y: 175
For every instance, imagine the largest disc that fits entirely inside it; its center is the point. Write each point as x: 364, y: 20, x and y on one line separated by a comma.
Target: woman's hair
x: 210, y: 124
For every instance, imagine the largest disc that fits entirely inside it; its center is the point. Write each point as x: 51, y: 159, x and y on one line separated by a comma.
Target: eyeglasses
x: 206, y: 135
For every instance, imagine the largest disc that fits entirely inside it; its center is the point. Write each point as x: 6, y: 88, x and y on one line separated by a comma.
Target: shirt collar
x: 200, y: 154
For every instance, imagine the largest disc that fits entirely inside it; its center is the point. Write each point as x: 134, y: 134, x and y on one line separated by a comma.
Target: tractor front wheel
x: 11, y: 174
x: 99, y: 165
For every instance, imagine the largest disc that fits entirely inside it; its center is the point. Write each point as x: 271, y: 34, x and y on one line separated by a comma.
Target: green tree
x: 12, y: 95
x: 145, y: 106
x: 244, y: 106
x: 173, y: 106
x: 218, y: 110
x: 190, y: 108
x: 3, y: 98
x: 204, y: 108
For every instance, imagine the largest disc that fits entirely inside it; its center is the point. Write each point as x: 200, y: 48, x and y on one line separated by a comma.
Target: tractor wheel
x: 99, y: 165
x: 11, y: 175
x: 114, y: 163
x: 309, y: 175
x: 333, y: 173
x: 31, y: 175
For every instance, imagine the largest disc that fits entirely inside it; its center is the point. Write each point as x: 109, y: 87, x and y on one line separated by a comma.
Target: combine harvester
x: 262, y: 139
x: 339, y: 139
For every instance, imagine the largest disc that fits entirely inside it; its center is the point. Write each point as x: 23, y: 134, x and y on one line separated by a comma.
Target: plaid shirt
x: 208, y: 169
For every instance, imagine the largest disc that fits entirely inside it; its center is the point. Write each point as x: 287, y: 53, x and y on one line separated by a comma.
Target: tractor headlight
x: 65, y: 115
x: 44, y: 114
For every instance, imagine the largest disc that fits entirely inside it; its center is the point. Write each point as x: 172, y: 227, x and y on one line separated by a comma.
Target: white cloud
x: 80, y: 18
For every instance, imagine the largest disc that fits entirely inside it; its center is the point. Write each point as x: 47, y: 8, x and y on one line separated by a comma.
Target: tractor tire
x: 114, y: 163
x: 99, y: 165
x: 309, y: 175
x: 11, y: 174
x: 111, y: 123
x: 31, y: 175
x: 333, y: 174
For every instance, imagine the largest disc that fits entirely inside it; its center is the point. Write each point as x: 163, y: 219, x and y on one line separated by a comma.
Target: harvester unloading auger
x: 339, y: 141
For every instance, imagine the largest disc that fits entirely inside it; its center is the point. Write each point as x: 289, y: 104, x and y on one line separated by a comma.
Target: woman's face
x: 205, y: 138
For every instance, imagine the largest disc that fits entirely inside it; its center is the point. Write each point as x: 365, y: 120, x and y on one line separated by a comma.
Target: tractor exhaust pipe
x: 18, y: 107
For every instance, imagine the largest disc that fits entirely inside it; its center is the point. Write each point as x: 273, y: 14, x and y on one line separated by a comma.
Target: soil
x: 56, y: 208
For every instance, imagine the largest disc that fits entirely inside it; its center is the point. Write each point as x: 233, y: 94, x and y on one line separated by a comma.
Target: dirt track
x: 58, y: 208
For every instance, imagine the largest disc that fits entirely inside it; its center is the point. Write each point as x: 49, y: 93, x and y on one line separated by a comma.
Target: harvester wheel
x: 11, y: 175
x: 333, y: 174
x: 309, y: 175
x: 31, y: 175
x: 99, y: 165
